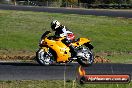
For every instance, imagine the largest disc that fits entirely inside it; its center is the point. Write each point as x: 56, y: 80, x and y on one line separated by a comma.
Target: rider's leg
x: 73, y: 51
x: 72, y: 48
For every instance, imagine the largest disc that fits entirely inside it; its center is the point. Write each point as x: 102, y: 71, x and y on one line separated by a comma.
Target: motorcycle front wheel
x: 44, y: 58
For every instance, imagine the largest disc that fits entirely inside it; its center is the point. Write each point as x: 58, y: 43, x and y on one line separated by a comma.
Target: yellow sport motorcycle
x: 52, y: 51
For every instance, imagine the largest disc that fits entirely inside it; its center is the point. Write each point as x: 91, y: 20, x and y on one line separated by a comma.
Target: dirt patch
x: 112, y: 53
x: 28, y: 55
x: 97, y: 59
x: 17, y: 57
x: 100, y: 59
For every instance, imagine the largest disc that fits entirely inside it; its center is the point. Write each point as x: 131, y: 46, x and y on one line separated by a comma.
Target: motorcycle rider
x: 62, y: 31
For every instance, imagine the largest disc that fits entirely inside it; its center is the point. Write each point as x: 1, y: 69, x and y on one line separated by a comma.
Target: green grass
x: 56, y: 84
x: 120, y: 58
x: 21, y: 30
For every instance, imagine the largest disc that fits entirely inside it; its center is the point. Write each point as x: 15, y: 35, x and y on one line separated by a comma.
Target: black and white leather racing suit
x: 63, y: 31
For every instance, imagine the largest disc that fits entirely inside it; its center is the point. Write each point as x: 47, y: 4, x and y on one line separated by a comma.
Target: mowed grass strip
x: 57, y: 84
x: 21, y: 30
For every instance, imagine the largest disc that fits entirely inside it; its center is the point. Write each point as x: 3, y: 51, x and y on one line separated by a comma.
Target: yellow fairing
x: 81, y: 42
x: 61, y: 49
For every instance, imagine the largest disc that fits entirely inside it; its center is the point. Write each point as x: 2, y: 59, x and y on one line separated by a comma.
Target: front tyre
x: 44, y: 58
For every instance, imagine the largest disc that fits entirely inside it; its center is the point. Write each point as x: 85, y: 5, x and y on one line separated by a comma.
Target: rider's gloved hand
x: 41, y: 43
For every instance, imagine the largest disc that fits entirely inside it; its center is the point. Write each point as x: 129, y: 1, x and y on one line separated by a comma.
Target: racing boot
x: 73, y: 51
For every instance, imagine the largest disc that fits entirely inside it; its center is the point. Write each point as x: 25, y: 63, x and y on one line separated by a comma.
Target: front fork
x: 46, y: 49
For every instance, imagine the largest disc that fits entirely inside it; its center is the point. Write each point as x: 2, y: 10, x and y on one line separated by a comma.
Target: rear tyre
x: 86, y: 58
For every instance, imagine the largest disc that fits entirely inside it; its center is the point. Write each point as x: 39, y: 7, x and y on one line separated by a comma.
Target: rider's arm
x: 65, y: 32
x: 44, y: 34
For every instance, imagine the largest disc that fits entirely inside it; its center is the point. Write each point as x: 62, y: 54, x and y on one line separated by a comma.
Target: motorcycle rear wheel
x: 86, y: 62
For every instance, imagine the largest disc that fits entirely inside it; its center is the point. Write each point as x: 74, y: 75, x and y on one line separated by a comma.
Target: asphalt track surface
x: 111, y: 13
x: 33, y: 71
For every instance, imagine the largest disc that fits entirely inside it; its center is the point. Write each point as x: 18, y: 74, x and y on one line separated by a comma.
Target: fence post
x: 60, y: 3
x: 8, y: 1
x: 78, y: 3
x: 14, y: 1
x: 28, y: 2
x: 47, y: 4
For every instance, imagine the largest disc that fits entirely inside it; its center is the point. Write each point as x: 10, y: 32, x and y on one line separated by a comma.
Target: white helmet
x: 55, y: 24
